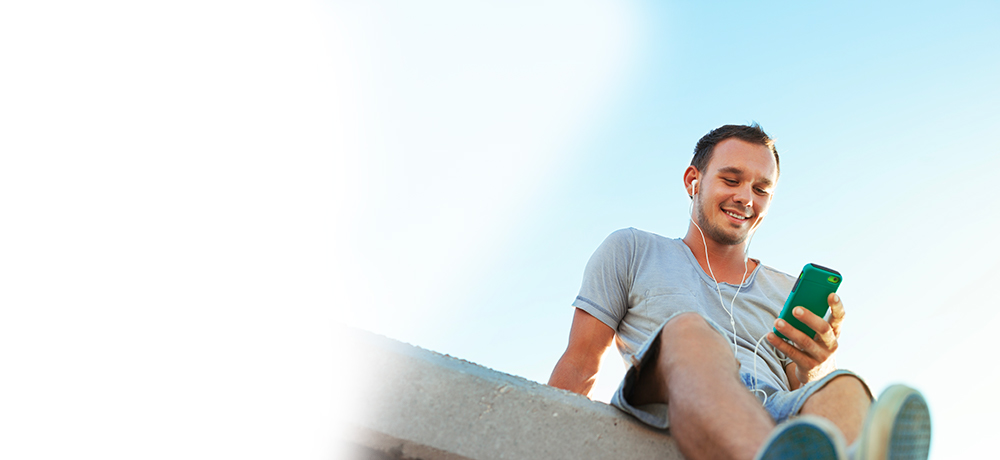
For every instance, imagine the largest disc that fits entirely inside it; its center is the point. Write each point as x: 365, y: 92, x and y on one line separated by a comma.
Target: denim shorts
x: 781, y: 404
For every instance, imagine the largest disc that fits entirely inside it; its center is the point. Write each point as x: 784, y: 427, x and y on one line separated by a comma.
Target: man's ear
x: 691, y: 180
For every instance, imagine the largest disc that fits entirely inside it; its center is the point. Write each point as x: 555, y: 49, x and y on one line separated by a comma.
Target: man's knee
x: 842, y: 389
x: 848, y: 384
x: 689, y: 336
x: 690, y: 326
x: 686, y: 346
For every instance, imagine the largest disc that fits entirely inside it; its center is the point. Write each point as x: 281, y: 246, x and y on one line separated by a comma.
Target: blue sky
x: 198, y: 195
x: 522, y: 156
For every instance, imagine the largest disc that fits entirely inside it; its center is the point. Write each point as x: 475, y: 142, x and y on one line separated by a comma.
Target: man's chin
x: 728, y: 239
x: 735, y: 241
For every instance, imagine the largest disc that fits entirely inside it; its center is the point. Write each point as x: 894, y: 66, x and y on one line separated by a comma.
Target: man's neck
x: 727, y: 261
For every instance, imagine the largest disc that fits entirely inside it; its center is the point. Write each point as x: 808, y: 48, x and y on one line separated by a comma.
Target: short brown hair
x: 753, y: 134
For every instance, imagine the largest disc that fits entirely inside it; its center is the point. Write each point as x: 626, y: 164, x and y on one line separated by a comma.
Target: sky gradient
x: 510, y: 145
x: 198, y: 196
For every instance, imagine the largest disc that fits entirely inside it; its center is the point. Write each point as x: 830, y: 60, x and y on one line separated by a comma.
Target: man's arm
x: 577, y: 370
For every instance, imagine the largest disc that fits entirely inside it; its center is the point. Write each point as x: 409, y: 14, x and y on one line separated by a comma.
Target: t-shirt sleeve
x: 607, y: 280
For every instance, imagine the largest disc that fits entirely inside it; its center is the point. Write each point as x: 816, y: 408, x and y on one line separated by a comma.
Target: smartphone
x: 811, y: 291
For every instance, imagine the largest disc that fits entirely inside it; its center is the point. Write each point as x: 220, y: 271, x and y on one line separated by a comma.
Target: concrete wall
x: 424, y: 405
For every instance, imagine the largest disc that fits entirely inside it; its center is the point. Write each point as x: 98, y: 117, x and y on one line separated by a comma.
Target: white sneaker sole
x: 898, y: 427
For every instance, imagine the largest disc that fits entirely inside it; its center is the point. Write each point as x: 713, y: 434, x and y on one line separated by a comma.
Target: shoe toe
x: 807, y: 438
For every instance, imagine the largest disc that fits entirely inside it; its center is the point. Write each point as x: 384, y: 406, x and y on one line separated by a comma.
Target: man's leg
x: 843, y: 401
x: 712, y: 415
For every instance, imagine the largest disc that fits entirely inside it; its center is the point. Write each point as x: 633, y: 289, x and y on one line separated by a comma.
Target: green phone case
x: 811, y: 290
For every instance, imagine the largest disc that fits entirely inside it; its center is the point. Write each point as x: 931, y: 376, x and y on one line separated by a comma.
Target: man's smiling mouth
x: 738, y: 216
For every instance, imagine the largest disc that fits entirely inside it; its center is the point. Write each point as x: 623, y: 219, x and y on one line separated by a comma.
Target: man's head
x: 752, y: 134
x: 731, y: 179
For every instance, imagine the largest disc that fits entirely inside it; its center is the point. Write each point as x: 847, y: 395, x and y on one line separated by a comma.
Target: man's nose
x: 744, y: 196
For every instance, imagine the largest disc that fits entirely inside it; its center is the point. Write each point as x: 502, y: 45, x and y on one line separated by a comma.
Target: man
x: 680, y: 310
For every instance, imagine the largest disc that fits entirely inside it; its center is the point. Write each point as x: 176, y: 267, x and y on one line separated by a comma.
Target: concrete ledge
x: 424, y: 405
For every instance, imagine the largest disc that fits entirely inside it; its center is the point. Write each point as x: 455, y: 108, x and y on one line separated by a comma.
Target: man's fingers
x: 791, y: 333
x: 837, y: 312
x: 796, y: 355
x: 806, y: 344
x: 824, y: 331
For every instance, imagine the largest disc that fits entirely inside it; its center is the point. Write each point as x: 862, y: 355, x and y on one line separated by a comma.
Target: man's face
x: 735, y: 190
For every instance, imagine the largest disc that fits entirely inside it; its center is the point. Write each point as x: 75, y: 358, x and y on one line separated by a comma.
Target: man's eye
x: 730, y: 181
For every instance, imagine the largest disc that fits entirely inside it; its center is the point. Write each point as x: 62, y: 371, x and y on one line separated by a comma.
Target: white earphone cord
x: 746, y: 268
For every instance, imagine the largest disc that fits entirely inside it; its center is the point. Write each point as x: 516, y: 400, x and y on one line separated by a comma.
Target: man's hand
x: 813, y: 357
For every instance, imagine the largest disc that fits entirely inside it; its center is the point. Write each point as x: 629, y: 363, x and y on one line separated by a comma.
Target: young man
x: 693, y: 316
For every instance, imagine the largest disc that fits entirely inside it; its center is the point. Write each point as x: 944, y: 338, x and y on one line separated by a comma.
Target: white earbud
x: 694, y: 187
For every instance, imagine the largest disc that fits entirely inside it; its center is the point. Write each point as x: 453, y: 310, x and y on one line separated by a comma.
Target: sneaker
x: 804, y: 438
x: 898, y: 427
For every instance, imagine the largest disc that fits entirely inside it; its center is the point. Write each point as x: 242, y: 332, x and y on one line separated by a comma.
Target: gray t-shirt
x: 636, y: 280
